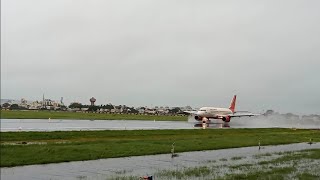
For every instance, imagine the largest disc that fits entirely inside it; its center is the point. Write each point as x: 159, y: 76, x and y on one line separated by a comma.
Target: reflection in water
x: 212, y: 125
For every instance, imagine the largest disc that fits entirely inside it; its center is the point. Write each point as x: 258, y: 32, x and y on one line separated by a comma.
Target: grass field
x: 89, y: 145
x: 84, y: 116
x: 290, y: 165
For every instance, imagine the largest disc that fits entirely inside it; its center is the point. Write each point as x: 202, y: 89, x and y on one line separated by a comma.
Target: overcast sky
x: 164, y: 52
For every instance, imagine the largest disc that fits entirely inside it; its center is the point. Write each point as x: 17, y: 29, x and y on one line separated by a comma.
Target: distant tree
x: 75, y: 105
x: 15, y: 107
x: 93, y: 108
x: 108, y: 106
x: 6, y: 105
x: 175, y: 110
x: 63, y: 107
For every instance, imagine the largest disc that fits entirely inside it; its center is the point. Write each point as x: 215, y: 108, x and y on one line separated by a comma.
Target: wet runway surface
x: 142, y: 165
x: 69, y: 125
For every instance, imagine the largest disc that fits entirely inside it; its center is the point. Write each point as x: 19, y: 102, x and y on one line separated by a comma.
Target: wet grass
x: 237, y: 158
x: 275, y: 173
x: 89, y: 145
x: 204, y: 172
x: 294, y: 156
x: 85, y: 116
x: 258, y: 156
x: 240, y: 166
x: 211, y: 161
x: 223, y: 159
x: 308, y: 176
x: 81, y: 177
x: 273, y: 169
x: 185, y: 173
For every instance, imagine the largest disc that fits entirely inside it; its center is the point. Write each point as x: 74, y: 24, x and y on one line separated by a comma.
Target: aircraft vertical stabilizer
x: 233, y: 103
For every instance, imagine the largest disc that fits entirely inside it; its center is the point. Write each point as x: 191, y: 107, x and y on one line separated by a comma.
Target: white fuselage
x: 213, y: 112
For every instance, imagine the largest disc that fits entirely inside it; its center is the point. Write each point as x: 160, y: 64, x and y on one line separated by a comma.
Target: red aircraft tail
x: 233, y: 103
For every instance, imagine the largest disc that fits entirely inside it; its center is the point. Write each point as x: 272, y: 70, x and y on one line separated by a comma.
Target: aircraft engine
x: 226, y: 118
x: 198, y: 118
x: 205, y: 120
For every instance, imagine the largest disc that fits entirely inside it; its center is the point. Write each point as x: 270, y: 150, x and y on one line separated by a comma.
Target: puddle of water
x: 22, y: 143
x: 78, y: 125
x: 33, y: 142
x: 149, y: 165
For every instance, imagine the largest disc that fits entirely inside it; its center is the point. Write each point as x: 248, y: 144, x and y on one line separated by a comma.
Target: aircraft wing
x: 243, y: 114
x: 190, y: 112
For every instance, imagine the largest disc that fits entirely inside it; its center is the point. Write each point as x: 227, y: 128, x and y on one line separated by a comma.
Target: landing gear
x: 205, y: 122
x: 201, y: 125
x: 204, y: 125
x: 226, y: 125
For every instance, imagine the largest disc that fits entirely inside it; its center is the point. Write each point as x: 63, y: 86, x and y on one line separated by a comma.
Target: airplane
x: 204, y: 114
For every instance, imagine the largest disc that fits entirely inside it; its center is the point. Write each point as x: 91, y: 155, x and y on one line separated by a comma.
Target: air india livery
x: 204, y: 114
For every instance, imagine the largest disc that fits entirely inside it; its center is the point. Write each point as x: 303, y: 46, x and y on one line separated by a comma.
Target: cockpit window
x: 202, y: 110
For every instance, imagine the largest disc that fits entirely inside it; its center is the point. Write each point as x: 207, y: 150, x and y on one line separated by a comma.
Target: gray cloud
x: 164, y: 52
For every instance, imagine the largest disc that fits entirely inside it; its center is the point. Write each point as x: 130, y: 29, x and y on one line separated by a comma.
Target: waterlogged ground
x: 284, y: 165
x: 295, y: 161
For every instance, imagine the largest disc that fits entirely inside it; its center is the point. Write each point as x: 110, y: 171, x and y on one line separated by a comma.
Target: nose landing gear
x: 205, y: 123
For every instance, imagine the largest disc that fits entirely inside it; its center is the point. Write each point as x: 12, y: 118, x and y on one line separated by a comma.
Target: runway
x: 76, y: 125
x: 72, y: 125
